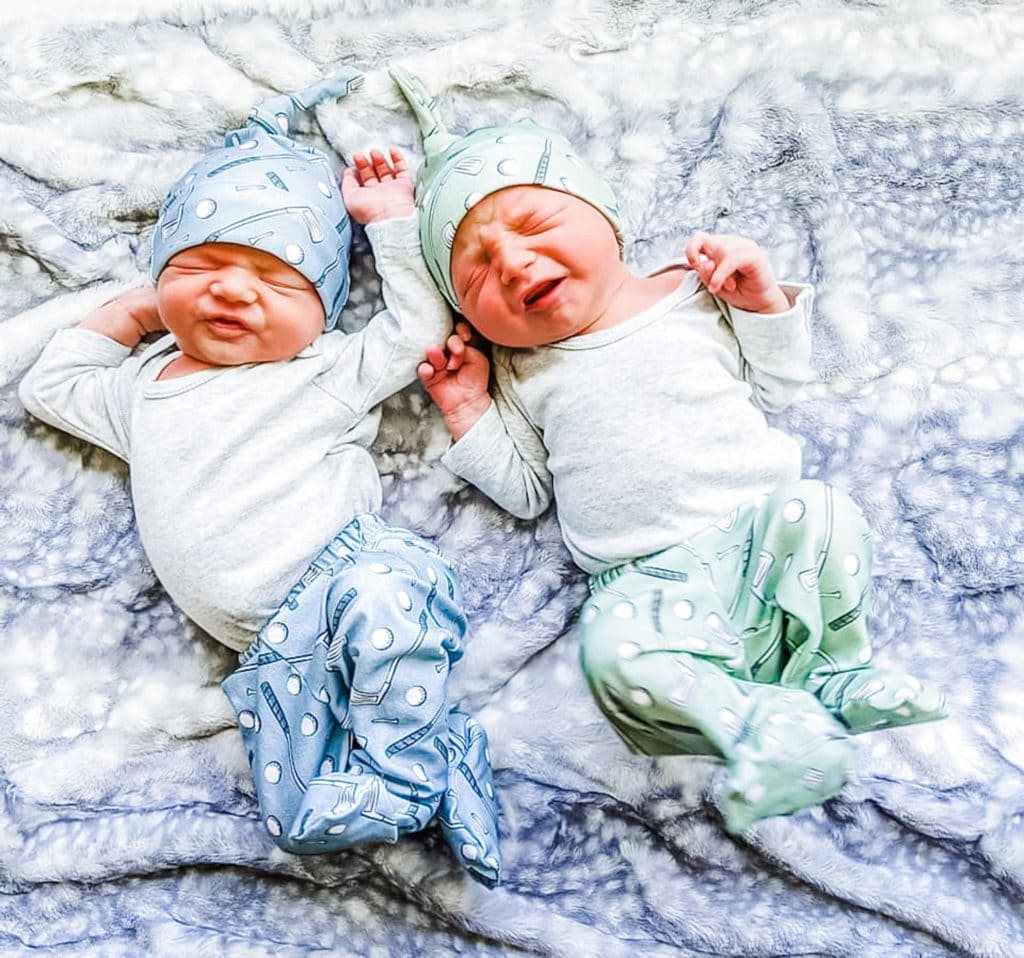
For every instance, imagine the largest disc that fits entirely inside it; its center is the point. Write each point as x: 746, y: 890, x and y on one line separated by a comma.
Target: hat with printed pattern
x: 265, y: 191
x: 458, y: 172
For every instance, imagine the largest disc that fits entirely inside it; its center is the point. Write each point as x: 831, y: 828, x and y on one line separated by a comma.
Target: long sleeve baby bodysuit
x: 646, y: 432
x: 240, y: 475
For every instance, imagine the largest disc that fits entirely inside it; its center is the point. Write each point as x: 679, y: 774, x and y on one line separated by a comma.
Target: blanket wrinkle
x: 872, y: 149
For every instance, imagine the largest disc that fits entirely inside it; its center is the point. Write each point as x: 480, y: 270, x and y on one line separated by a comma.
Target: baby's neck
x: 183, y: 366
x: 638, y: 293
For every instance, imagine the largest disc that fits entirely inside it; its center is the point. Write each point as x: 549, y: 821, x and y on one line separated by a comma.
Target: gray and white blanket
x: 875, y: 149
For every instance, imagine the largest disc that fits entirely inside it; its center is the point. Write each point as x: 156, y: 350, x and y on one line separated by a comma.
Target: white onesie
x: 643, y: 433
x: 241, y: 475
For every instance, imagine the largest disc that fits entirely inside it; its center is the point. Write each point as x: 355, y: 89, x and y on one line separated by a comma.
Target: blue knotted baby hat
x: 265, y: 191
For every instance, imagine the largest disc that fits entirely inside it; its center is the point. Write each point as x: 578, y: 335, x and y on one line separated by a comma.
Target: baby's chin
x: 527, y: 341
x: 542, y: 331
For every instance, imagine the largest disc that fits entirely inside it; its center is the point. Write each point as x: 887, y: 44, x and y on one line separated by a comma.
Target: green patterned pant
x: 749, y: 642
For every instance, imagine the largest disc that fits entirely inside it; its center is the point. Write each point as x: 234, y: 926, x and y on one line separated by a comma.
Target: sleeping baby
x: 247, y: 431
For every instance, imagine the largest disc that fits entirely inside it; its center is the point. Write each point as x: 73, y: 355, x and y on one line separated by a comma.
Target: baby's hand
x: 375, y: 189
x: 736, y: 270
x: 128, y: 317
x: 456, y: 377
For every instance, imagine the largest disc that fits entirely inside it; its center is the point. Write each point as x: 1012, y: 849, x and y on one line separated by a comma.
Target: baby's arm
x: 771, y: 321
x: 496, y: 447
x: 378, y: 193
x: 79, y: 383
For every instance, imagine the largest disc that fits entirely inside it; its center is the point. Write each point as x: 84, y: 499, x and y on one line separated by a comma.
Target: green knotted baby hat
x: 458, y: 172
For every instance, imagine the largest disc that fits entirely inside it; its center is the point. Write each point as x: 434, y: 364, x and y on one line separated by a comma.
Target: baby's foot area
x: 789, y: 763
x: 469, y: 812
x: 875, y: 698
x: 342, y: 809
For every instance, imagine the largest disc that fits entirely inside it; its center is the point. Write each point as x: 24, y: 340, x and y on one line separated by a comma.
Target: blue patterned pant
x: 343, y: 707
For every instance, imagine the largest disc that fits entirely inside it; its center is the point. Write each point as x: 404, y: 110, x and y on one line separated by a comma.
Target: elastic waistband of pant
x: 353, y: 536
x: 604, y: 578
x: 351, y: 539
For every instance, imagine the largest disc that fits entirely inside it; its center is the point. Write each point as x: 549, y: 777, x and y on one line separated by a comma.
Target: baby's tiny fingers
x: 426, y: 373
x: 398, y: 162
x: 723, y: 271
x: 456, y: 356
x: 695, y: 247
x: 436, y: 357
x: 380, y: 165
x: 363, y: 172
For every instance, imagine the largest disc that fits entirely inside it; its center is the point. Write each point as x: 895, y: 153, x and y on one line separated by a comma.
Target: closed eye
x: 471, y: 278
x: 284, y: 282
x: 535, y: 223
x: 186, y: 268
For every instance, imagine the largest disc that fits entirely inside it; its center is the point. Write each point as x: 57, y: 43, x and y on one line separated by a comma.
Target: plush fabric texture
x: 874, y: 149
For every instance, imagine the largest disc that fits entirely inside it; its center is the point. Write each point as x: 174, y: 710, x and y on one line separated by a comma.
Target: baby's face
x: 531, y: 265
x: 228, y: 305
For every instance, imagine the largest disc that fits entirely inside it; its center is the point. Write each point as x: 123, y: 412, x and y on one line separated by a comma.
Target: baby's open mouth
x: 538, y: 293
x: 225, y: 322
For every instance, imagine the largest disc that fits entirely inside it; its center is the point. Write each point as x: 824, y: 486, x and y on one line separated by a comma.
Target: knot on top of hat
x: 436, y: 138
x: 276, y: 113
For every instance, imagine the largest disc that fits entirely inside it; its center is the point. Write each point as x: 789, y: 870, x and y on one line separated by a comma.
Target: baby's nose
x: 516, y: 258
x: 233, y: 283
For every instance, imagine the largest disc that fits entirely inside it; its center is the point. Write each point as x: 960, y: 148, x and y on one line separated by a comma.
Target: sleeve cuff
x: 398, y: 235
x: 478, y: 445
x: 767, y: 338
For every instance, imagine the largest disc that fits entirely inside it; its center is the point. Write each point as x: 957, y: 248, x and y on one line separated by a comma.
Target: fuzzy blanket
x: 874, y: 148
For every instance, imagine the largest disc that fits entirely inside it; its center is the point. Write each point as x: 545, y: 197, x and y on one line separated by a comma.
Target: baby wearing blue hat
x: 247, y: 430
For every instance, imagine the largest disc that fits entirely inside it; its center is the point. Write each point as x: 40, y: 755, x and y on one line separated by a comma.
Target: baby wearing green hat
x: 247, y: 430
x: 727, y: 607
